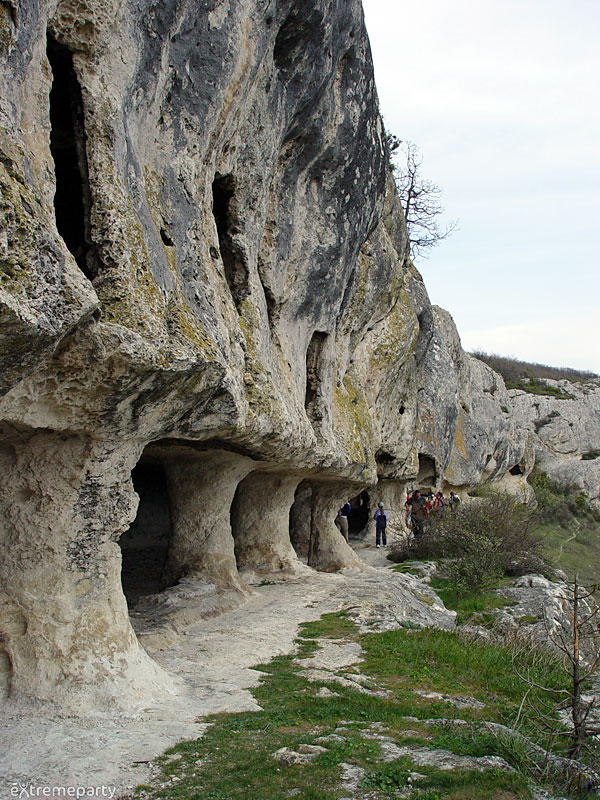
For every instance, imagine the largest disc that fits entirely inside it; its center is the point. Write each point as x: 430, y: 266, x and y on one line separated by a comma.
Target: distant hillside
x: 516, y: 373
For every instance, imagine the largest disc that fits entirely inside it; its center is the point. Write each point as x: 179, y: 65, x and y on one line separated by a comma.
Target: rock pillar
x: 201, y: 491
x: 260, y: 518
x: 329, y: 551
x: 65, y: 634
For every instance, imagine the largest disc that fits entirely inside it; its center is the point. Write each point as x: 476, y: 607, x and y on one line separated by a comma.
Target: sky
x: 502, y: 99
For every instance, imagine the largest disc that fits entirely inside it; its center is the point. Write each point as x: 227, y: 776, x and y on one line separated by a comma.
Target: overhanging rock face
x: 202, y: 279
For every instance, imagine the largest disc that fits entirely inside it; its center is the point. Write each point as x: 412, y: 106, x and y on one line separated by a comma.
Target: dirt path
x: 213, y: 659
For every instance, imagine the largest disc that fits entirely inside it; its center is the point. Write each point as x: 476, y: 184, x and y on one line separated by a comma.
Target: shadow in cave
x: 358, y: 518
x: 145, y: 546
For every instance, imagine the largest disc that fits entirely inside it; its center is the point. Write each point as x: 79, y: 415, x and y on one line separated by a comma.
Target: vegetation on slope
x: 382, y: 728
x: 532, y: 377
x: 394, y: 713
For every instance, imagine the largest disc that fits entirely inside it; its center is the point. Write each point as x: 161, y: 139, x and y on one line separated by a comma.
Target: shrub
x: 514, y: 371
x: 560, y: 503
x: 484, y: 540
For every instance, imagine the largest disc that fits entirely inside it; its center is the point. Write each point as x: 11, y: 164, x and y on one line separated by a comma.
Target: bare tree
x: 420, y: 198
x: 579, y: 644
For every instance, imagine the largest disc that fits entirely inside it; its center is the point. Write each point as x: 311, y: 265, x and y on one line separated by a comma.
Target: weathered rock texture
x: 202, y: 263
x: 466, y: 432
x: 207, y: 310
x: 565, y: 433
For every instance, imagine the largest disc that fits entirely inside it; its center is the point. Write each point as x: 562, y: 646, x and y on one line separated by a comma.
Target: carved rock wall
x: 198, y: 237
x: 206, y: 311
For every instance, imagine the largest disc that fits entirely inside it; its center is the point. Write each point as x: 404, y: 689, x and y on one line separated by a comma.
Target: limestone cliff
x: 565, y: 432
x: 211, y: 333
x: 467, y: 434
x: 202, y: 279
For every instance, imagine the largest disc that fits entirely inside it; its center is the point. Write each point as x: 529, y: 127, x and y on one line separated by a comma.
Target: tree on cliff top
x: 420, y: 198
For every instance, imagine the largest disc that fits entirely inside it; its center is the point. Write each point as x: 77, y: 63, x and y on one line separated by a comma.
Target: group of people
x: 417, y: 510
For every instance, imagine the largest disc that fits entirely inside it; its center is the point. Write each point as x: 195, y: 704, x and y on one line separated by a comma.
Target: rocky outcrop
x: 466, y: 433
x: 202, y: 288
x: 211, y: 334
x: 564, y: 431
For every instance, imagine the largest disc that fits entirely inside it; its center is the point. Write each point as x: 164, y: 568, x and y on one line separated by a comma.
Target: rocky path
x: 212, y: 661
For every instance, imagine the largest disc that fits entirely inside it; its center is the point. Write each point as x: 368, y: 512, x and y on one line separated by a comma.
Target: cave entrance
x: 234, y: 263
x: 314, y: 376
x: 358, y: 518
x: 516, y: 470
x: 72, y: 200
x: 145, y: 546
x: 427, y: 474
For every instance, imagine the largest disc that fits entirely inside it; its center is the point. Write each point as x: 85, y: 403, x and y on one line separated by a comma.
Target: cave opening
x: 426, y: 477
x: 516, y: 470
x: 359, y: 516
x: 234, y: 263
x: 72, y: 199
x: 145, y: 546
x: 314, y: 356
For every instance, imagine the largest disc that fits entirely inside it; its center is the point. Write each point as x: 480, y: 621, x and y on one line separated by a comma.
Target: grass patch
x: 442, y: 661
x: 470, y: 608
x: 489, y: 784
x: 574, y: 549
x: 234, y: 759
x: 337, y: 625
x: 406, y: 569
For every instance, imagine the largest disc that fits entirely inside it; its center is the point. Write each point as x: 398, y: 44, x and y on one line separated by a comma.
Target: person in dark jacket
x: 418, y: 513
x: 381, y: 519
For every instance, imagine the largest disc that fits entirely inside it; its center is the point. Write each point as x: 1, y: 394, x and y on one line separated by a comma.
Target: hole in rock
x: 234, y: 264
x: 145, y: 545
x: 314, y: 357
x: 166, y: 239
x: 358, y: 519
x: 427, y: 474
x: 516, y: 470
x: 72, y: 200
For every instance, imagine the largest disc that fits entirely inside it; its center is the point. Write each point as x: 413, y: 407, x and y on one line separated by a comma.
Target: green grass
x: 442, y: 661
x: 476, y: 608
x: 234, y: 761
x: 574, y: 549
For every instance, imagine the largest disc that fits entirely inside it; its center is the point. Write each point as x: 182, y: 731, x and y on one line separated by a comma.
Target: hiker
x: 440, y: 502
x: 407, y: 510
x: 454, y: 500
x: 381, y: 519
x: 418, y: 512
x: 342, y: 519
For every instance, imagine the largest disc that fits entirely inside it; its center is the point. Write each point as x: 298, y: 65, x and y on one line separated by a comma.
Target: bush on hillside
x: 516, y: 372
x: 560, y: 502
x: 484, y: 540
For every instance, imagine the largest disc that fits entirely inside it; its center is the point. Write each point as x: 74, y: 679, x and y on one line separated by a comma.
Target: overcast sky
x: 502, y: 98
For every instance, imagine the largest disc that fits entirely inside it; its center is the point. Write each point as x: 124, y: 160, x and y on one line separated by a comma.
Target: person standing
x: 381, y: 519
x: 419, y: 512
x: 343, y: 519
x: 440, y: 502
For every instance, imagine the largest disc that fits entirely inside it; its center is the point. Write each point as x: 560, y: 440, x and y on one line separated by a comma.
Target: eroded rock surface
x: 565, y: 432
x: 212, y: 335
